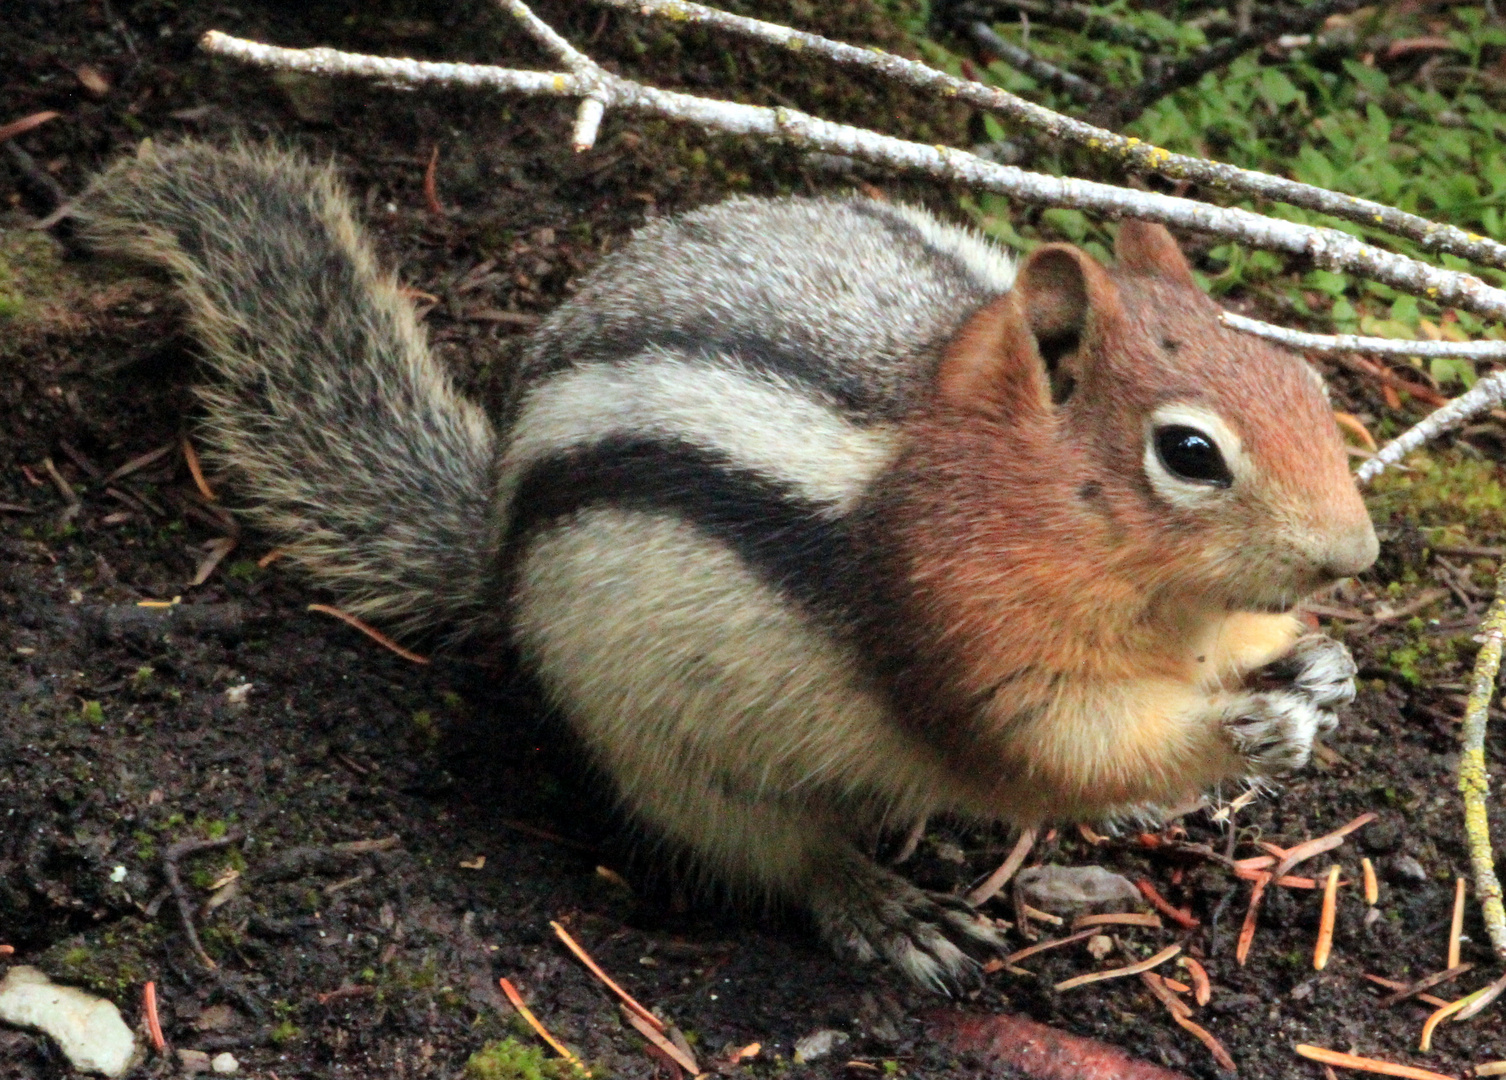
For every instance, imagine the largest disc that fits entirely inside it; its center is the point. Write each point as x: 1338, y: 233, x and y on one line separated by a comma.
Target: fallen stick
x: 1123, y: 918
x: 1031, y: 950
x: 997, y: 880
x: 1395, y: 984
x: 1409, y: 990
x: 1474, y: 781
x: 170, y: 858
x: 1119, y: 972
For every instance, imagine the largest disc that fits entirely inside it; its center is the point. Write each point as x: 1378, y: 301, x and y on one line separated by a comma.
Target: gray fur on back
x: 853, y: 299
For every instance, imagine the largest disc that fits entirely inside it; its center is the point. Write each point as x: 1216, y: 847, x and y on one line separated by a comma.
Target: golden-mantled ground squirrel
x: 812, y: 516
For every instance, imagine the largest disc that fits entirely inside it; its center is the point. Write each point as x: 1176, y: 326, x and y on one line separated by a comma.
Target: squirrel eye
x: 1191, y: 455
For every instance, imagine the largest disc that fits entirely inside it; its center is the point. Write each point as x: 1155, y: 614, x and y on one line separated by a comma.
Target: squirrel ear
x: 1144, y: 247
x: 1021, y: 351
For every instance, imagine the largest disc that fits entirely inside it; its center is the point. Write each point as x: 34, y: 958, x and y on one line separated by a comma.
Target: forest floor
x: 403, y: 835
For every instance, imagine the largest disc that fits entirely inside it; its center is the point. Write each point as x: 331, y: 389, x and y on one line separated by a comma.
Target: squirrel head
x: 1106, y: 424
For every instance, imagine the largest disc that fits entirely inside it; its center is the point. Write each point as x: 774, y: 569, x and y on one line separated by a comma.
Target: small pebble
x: 818, y: 1044
x: 193, y: 1061
x: 1405, y: 868
x: 225, y: 1063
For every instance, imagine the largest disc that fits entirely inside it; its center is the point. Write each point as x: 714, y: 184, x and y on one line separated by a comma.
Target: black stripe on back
x: 947, y: 264
x: 777, y: 532
x: 694, y: 335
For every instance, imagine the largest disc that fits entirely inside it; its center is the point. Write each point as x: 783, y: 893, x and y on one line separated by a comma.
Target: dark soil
x: 120, y: 736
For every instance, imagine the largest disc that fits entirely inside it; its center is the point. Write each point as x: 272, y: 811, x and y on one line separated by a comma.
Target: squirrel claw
x: 927, y: 935
x: 1274, y: 729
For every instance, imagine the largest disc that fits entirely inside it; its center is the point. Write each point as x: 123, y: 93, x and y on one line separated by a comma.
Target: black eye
x: 1188, y: 453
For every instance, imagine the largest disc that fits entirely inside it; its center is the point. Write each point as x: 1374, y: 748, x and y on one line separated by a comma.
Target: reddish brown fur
x: 1032, y: 549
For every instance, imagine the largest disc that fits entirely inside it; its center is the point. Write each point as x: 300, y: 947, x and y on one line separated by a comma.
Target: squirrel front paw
x: 1273, y: 727
x: 927, y: 935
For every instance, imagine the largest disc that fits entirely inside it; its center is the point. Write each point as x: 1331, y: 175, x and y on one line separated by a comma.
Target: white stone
x: 1068, y: 890
x: 87, y: 1029
x: 225, y: 1063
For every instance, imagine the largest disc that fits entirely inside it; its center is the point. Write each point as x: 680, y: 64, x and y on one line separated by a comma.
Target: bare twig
x: 1474, y: 781
x: 1120, y: 972
x: 1480, y: 1000
x: 1486, y: 394
x: 1024, y: 60
x: 1374, y: 346
x: 1328, y: 248
x: 1421, y: 986
x: 1042, y: 946
x: 1084, y: 19
x: 1189, y: 71
x: 170, y: 860
x: 1006, y: 870
x: 598, y: 91
x: 1133, y: 154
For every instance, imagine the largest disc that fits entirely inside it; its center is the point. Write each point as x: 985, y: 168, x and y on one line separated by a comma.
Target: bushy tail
x: 348, y: 441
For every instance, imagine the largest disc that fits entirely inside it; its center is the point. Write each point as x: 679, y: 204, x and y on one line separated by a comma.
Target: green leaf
x: 1072, y: 224
x: 1277, y: 88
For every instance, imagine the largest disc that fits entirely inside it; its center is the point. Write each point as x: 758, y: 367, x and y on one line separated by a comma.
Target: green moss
x: 92, y: 712
x: 113, y: 963
x: 284, y: 1033
x: 244, y: 569
x: 1449, y: 490
x: 425, y: 727
x: 509, y: 1059
x: 146, y: 845
x: 1405, y: 662
x: 29, y: 270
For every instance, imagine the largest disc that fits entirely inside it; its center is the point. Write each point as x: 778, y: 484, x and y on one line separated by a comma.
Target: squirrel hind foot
x: 934, y: 938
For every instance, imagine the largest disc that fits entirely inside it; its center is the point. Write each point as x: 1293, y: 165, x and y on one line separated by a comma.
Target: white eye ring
x: 1185, y: 490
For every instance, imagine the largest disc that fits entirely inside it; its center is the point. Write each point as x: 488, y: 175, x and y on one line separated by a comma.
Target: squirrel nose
x: 1352, y: 551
